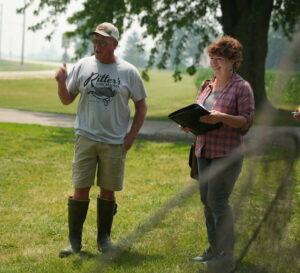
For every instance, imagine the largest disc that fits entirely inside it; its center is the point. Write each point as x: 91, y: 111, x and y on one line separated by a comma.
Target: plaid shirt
x: 235, y: 99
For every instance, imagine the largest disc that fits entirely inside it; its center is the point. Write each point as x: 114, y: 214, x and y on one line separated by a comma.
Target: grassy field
x: 35, y: 175
x: 33, y: 95
x: 6, y: 65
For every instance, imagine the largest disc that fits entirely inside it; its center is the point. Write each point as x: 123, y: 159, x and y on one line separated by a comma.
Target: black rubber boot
x: 105, y: 213
x: 77, y: 211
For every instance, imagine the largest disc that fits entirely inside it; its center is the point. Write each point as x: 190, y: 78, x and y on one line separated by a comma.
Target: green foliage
x: 162, y: 20
x: 286, y: 14
x: 145, y: 75
x: 134, y: 52
x: 191, y: 70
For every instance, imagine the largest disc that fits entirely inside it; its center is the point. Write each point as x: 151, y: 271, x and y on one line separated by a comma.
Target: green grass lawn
x: 35, y: 182
x: 33, y: 95
x: 6, y: 65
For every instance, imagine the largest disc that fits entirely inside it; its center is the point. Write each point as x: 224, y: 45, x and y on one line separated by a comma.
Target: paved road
x: 154, y: 130
x: 27, y: 74
x: 151, y: 130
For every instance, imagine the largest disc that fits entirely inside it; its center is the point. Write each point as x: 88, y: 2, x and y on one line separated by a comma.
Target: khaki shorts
x: 107, y: 159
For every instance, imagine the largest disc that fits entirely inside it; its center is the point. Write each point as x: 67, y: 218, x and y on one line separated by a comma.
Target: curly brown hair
x: 228, y: 48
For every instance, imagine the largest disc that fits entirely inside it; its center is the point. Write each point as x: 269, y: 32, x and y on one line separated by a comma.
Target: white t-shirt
x: 105, y: 89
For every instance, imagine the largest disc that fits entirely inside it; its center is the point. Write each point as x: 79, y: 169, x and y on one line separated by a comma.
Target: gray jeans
x: 215, y: 189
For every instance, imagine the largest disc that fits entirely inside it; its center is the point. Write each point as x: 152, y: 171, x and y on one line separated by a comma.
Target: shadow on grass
x: 127, y: 259
x: 62, y: 136
x: 54, y: 135
x: 133, y: 258
x: 251, y: 268
x: 243, y: 268
x: 82, y: 257
x: 140, y: 144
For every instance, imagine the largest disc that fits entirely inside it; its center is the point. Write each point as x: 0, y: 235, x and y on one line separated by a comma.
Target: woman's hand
x: 230, y: 120
x: 213, y: 118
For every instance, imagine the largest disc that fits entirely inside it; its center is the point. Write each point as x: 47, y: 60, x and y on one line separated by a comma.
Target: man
x: 105, y: 83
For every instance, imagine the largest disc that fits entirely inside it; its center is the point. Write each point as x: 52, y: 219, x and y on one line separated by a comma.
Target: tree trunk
x: 248, y: 21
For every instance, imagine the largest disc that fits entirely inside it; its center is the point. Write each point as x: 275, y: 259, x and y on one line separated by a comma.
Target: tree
x: 249, y: 22
x: 246, y: 20
x: 186, y: 56
x: 133, y: 53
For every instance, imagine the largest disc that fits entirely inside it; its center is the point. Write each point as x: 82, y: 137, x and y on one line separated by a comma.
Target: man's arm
x: 61, y: 76
x: 138, y: 120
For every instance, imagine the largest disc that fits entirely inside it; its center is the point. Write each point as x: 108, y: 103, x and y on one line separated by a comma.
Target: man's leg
x: 81, y: 194
x: 106, y: 209
x: 107, y: 195
x: 83, y: 174
x: 77, y: 211
x: 111, y: 165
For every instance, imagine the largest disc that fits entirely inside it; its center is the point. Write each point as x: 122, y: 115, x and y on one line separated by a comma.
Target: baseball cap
x: 106, y: 29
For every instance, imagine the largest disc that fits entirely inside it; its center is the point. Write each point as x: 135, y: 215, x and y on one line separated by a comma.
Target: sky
x: 35, y: 42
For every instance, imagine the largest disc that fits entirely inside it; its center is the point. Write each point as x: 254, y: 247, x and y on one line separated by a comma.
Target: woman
x: 230, y: 99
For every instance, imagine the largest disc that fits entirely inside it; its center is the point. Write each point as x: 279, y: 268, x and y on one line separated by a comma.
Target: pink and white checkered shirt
x: 235, y: 99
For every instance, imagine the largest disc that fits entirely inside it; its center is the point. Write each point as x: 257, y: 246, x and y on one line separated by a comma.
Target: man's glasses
x: 100, y: 42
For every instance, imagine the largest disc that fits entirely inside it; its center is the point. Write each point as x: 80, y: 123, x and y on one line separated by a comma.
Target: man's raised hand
x: 61, y: 74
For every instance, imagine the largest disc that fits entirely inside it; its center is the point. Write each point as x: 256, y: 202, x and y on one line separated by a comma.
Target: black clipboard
x: 189, y: 117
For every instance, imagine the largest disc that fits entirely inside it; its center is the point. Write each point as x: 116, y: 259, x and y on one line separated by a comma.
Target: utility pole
x: 1, y: 16
x: 23, y: 37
